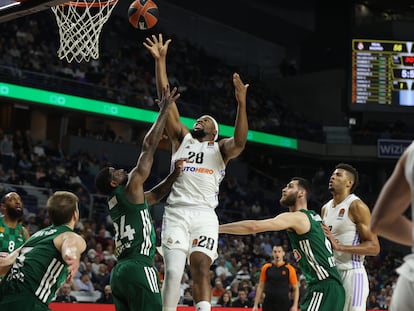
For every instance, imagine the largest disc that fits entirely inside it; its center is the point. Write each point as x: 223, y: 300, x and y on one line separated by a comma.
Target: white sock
x: 203, y: 306
x: 168, y: 309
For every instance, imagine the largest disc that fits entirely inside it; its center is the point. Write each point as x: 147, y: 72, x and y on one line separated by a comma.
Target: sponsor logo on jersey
x: 201, y: 170
x: 341, y: 213
x: 210, y: 144
x: 2, y: 229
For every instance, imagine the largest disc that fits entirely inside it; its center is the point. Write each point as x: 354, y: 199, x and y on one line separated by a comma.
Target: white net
x: 80, y: 23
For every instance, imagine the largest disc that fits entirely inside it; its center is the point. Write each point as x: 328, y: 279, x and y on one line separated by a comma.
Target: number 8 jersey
x: 198, y: 185
x: 10, y: 238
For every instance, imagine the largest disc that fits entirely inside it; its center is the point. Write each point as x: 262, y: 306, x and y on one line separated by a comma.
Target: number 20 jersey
x: 198, y: 185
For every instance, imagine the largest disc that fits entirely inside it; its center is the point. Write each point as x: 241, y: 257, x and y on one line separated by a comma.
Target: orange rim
x: 85, y: 4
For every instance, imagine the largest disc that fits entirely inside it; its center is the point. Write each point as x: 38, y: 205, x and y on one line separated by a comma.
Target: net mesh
x: 80, y: 23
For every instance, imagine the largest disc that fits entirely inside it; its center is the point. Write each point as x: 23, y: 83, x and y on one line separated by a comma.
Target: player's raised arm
x: 159, y: 191
x: 158, y: 49
x: 388, y: 218
x: 296, y: 221
x: 233, y: 146
x: 143, y: 167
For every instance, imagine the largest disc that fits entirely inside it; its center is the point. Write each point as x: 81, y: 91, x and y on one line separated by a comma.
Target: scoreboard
x: 382, y: 75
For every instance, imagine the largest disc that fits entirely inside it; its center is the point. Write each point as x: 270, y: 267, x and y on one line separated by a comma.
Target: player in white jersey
x: 347, y: 220
x: 190, y: 224
x: 389, y: 221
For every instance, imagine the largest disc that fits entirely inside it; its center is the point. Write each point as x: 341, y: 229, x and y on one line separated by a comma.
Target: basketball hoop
x: 80, y: 23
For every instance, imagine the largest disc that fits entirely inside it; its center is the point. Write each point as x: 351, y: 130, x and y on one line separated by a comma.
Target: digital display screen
x: 66, y: 101
x: 382, y: 75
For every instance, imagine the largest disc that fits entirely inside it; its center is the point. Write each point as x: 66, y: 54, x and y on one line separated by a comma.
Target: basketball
x: 143, y: 14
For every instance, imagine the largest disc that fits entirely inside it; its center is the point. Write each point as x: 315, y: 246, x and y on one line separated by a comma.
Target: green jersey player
x: 311, y: 248
x: 45, y: 261
x: 12, y: 233
x: 134, y: 280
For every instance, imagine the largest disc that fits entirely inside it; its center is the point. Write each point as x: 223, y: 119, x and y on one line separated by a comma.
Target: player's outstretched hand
x: 7, y: 259
x: 156, y: 46
x: 73, y: 266
x: 179, y: 164
x: 168, y: 97
x: 331, y: 238
x: 240, y: 89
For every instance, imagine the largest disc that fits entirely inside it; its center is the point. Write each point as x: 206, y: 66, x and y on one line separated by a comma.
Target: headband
x: 215, y: 125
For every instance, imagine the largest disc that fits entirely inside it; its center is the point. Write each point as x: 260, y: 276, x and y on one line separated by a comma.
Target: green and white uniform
x: 314, y: 254
x: 134, y: 280
x: 36, y: 275
x: 10, y: 238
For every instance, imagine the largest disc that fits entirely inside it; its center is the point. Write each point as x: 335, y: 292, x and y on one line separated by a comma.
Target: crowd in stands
x: 235, y: 273
x: 30, y: 45
x: 125, y: 75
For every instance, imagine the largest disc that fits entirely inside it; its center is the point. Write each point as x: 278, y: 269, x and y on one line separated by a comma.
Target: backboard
x: 11, y: 9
